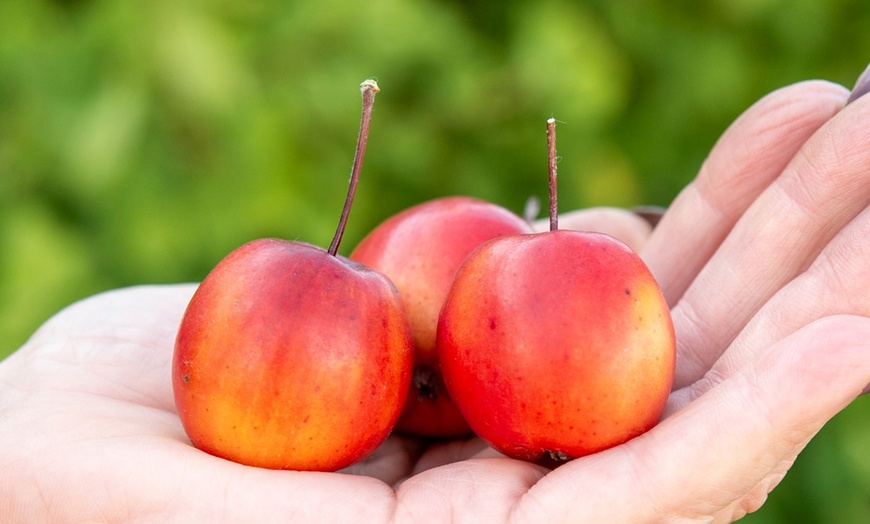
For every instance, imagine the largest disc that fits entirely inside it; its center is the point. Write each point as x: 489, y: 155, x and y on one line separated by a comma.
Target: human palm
x: 762, y: 259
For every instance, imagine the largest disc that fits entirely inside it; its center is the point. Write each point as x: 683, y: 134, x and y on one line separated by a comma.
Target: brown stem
x: 368, y: 88
x: 551, y: 146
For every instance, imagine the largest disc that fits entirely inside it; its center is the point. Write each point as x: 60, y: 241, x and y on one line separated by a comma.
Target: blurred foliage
x: 141, y: 141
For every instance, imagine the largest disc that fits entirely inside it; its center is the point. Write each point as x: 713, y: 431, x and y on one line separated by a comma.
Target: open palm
x: 762, y: 258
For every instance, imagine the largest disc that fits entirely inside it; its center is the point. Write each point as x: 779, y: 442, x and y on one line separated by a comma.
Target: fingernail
x: 862, y: 86
x: 651, y: 214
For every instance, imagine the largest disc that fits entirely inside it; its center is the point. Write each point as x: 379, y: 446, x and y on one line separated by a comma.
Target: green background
x: 140, y: 141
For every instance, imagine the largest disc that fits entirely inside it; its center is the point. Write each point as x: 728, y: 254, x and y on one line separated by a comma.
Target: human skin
x: 762, y: 258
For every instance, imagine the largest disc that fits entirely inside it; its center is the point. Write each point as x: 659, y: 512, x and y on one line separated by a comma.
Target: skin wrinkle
x: 440, y: 498
x: 710, y: 379
x: 715, y: 301
x: 761, y: 331
x: 710, y: 504
x: 532, y: 477
x: 795, y: 256
x: 14, y: 390
x: 811, y: 103
x: 755, y: 401
x: 836, y: 170
x: 835, y: 194
x: 781, y: 125
x: 708, y: 212
x: 690, y: 201
x: 528, y: 504
x: 726, y: 294
x: 833, y: 284
x: 38, y: 507
x: 688, y: 323
x: 462, y: 493
x: 630, y: 465
x: 848, y: 257
x: 653, y: 498
x: 100, y: 364
x: 792, y: 439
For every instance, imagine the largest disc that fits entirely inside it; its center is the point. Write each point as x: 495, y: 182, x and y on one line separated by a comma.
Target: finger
x: 627, y: 226
x: 751, y: 153
x: 443, y: 453
x: 835, y: 283
x: 139, y: 310
x: 722, y: 454
x: 393, y: 461
x: 826, y: 185
x: 473, y: 491
x: 123, y: 337
x: 115, y: 480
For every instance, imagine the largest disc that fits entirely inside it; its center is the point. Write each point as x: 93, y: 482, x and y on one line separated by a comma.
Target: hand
x: 762, y: 258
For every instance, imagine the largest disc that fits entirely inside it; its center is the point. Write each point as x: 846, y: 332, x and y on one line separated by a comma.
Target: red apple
x: 420, y: 250
x: 556, y: 344
x: 291, y: 357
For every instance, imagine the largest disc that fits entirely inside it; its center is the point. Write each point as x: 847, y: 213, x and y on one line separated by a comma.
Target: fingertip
x: 751, y: 153
x: 625, y: 225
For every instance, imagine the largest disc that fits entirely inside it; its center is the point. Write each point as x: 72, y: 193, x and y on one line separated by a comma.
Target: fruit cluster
x: 449, y: 319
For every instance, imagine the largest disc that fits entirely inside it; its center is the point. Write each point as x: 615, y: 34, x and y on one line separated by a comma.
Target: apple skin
x: 290, y: 358
x: 556, y: 345
x: 420, y: 249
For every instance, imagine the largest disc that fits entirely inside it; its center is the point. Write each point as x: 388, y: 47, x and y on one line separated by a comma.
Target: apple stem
x: 551, y: 146
x: 368, y: 88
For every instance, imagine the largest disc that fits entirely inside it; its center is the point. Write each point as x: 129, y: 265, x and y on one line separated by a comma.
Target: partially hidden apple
x: 292, y: 357
x: 420, y: 249
x: 558, y: 344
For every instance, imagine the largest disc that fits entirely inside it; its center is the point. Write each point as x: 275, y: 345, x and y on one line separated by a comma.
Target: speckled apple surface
x: 557, y: 344
x: 290, y: 358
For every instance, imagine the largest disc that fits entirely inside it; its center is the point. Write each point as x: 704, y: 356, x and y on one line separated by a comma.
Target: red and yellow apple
x: 558, y: 344
x: 292, y: 357
x: 420, y: 250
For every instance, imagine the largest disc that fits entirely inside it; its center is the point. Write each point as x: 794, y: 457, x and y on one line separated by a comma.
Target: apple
x: 420, y: 249
x: 289, y: 356
x: 557, y: 344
